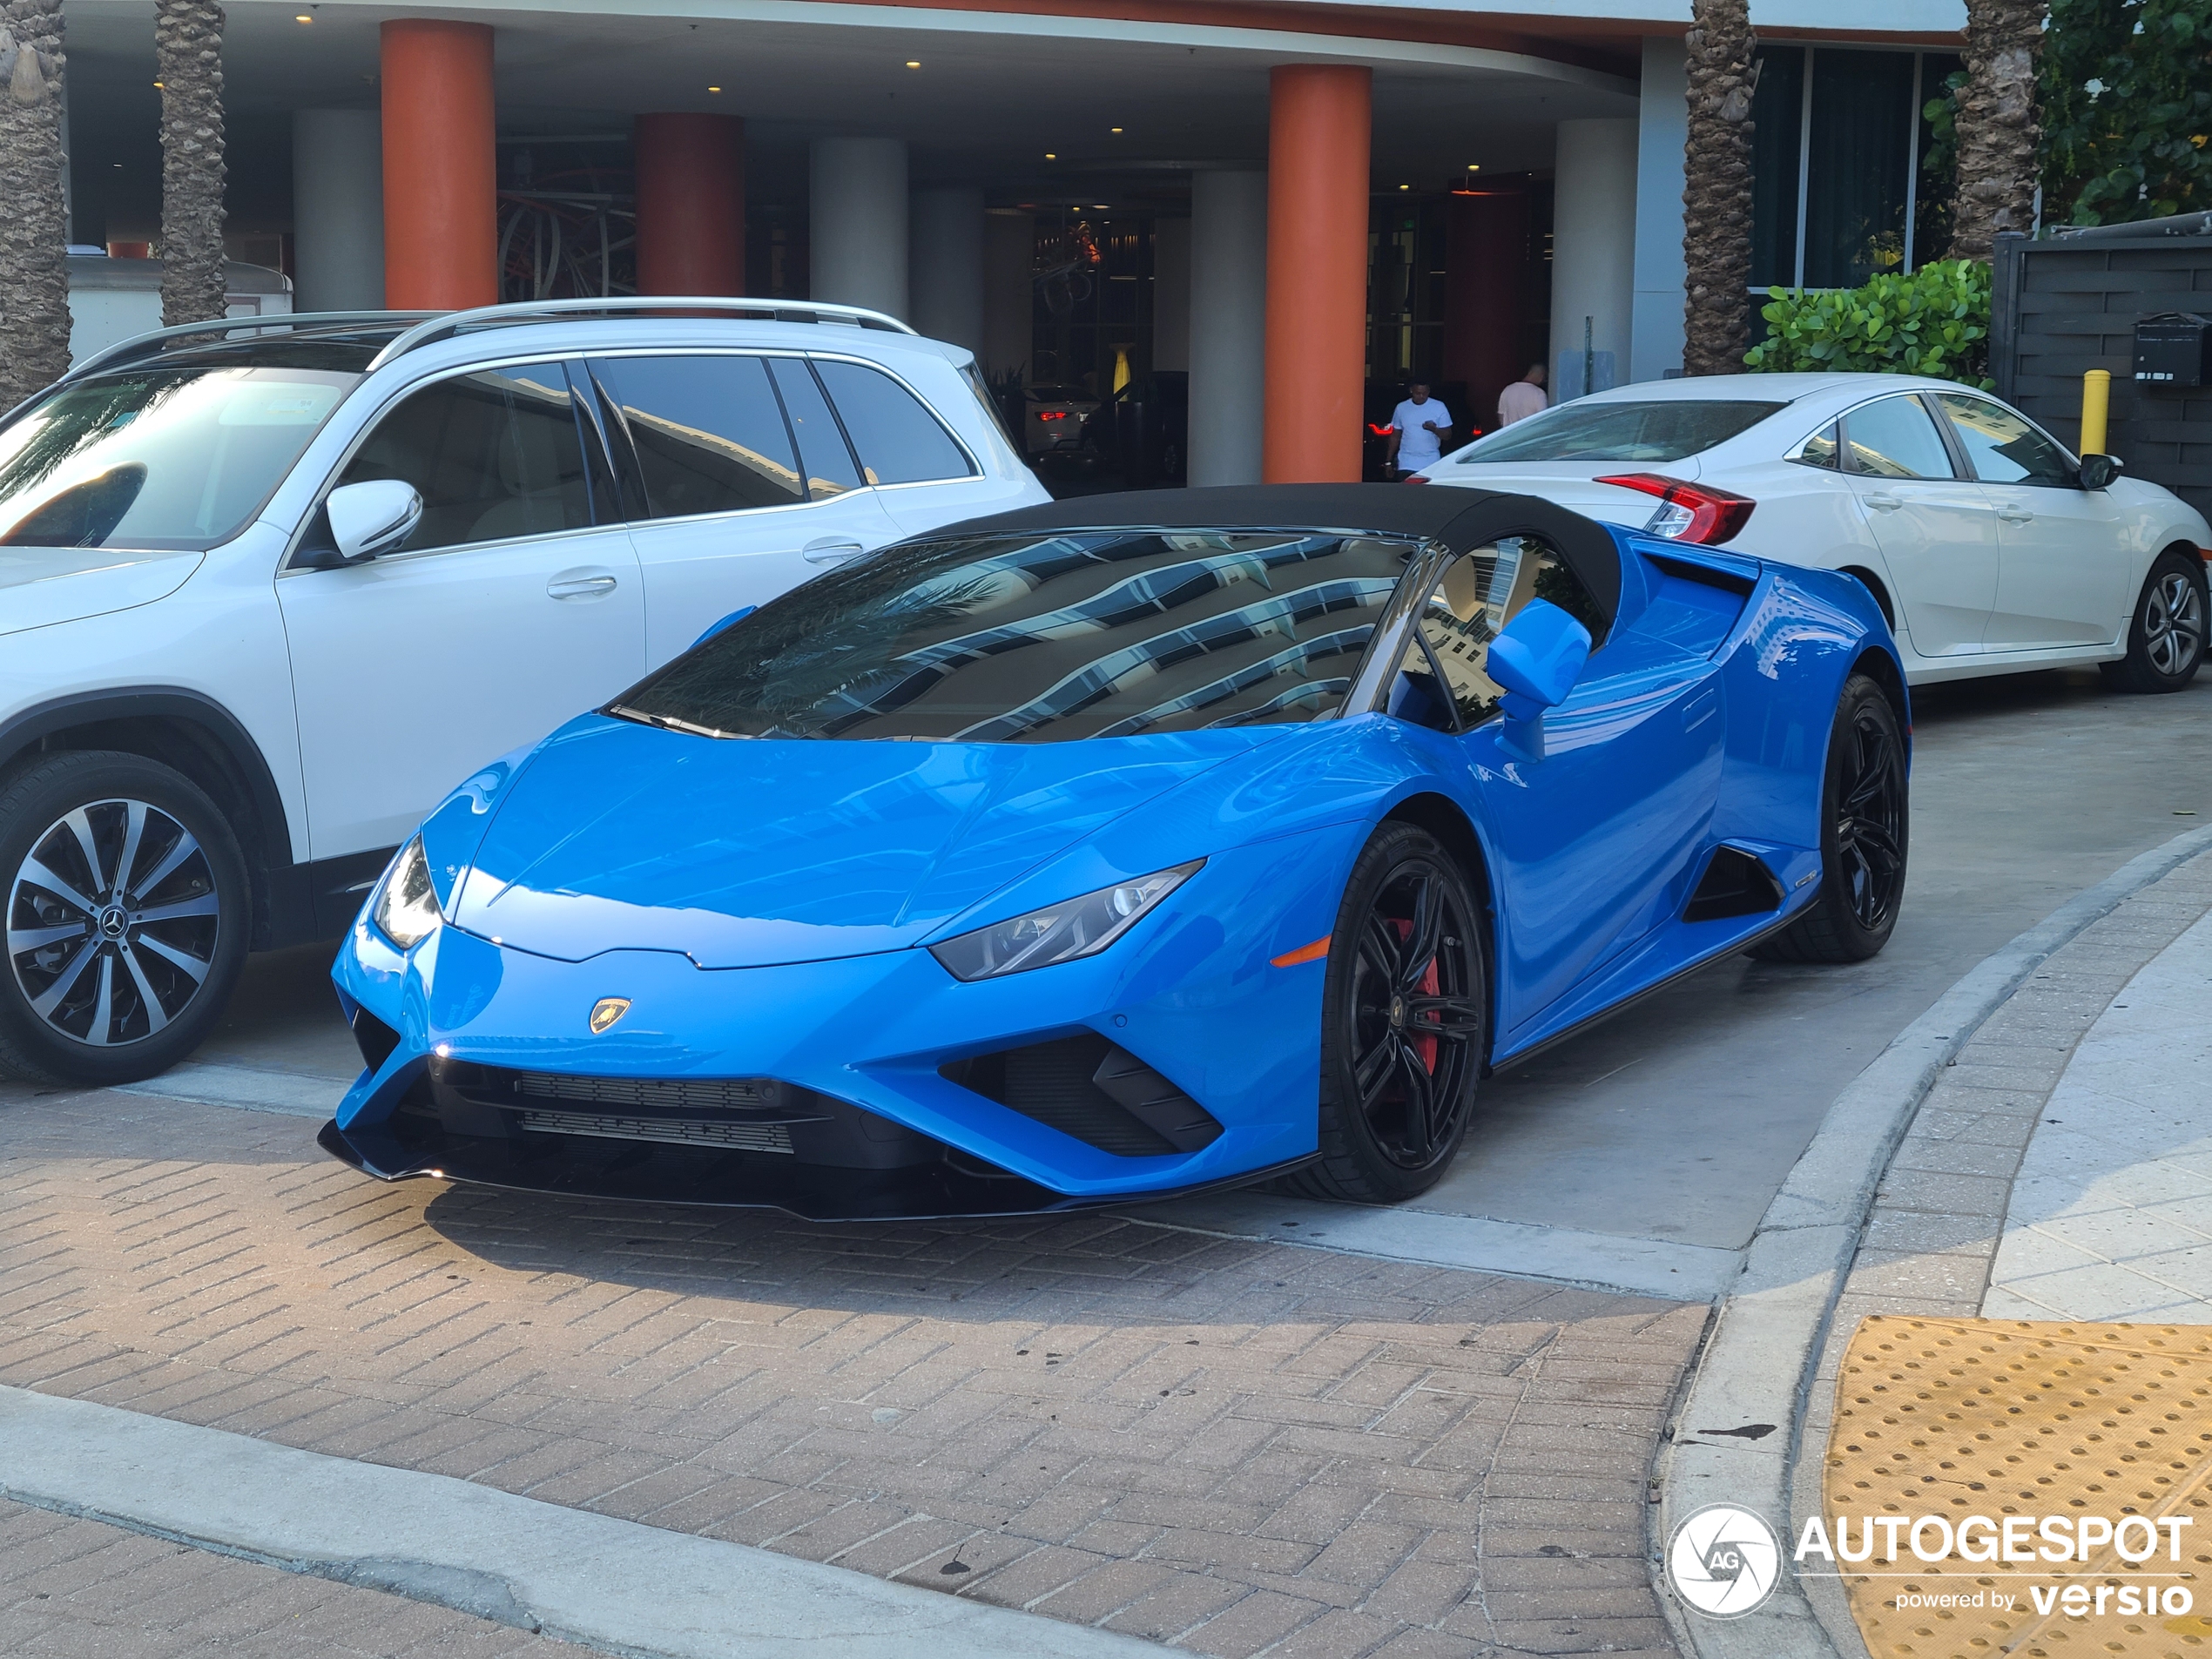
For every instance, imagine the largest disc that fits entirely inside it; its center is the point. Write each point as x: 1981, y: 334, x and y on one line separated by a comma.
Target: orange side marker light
x: 1312, y: 952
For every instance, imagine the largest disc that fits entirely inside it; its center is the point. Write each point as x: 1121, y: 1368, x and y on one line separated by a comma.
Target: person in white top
x: 1418, y: 427
x: 1524, y: 397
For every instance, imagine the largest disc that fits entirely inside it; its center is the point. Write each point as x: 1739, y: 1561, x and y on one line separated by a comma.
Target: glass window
x: 1662, y: 429
x: 828, y: 461
x: 1777, y: 117
x: 1478, y: 594
x: 2004, y: 447
x: 1894, y: 437
x: 898, y: 440
x: 708, y: 431
x: 1037, y: 637
x: 1858, y: 165
x: 495, y: 454
x: 1823, y: 447
x: 158, y: 457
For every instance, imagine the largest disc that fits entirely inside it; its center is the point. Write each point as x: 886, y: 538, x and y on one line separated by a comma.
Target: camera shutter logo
x: 1724, y: 1560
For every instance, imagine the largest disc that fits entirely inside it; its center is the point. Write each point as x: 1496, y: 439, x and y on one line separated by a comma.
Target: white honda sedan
x: 1991, y: 547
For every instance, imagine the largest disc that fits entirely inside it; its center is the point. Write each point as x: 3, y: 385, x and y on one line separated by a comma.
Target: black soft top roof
x: 1460, y: 519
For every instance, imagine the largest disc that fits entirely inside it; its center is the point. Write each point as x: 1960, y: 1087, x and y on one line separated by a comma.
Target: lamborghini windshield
x: 1043, y: 638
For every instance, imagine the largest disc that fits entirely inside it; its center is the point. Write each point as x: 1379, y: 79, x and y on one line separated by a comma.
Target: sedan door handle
x: 2012, y: 513
x: 1887, y: 504
x: 827, y: 549
x: 566, y: 586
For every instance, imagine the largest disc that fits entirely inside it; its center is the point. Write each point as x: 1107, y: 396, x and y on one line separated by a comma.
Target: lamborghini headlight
x: 407, y: 906
x: 1060, y: 932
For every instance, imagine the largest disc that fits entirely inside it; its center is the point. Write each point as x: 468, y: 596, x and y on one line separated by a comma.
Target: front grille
x: 1092, y: 1089
x: 673, y: 1131
x: 664, y: 1094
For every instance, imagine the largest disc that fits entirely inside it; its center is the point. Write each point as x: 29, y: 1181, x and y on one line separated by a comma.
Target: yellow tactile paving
x: 1962, y: 1421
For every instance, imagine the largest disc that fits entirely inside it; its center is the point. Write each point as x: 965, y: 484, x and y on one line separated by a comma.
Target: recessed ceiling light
x: 1475, y: 166
x: 156, y: 83
x: 1050, y: 156
x: 1404, y: 187
x: 713, y: 89
x: 303, y: 18
x: 913, y: 62
x: 1098, y: 207
x: 1116, y: 129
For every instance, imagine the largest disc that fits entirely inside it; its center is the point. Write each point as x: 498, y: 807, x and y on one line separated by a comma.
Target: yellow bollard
x: 2096, y: 406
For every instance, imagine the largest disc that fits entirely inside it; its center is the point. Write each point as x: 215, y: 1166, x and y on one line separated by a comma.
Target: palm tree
x: 1997, y: 123
x: 1717, y: 187
x: 188, y: 52
x: 34, y: 232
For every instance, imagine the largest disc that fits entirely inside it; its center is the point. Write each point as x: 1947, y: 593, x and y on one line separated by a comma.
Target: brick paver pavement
x: 1239, y: 1447
x: 79, y: 1589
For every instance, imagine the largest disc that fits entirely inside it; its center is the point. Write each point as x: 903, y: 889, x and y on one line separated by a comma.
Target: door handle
x: 2012, y: 513
x: 1887, y: 504
x: 826, y: 549
x: 580, y: 587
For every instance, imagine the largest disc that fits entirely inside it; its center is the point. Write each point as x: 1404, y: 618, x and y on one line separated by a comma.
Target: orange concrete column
x: 1319, y: 116
x: 441, y: 203
x: 691, y: 204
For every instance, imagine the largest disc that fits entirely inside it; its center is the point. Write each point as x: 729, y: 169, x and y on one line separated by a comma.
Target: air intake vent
x: 1735, y: 883
x: 660, y: 1094
x: 671, y: 1131
x: 1088, y: 1087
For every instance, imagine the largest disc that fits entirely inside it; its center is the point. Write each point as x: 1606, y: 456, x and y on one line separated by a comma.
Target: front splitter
x: 646, y: 1172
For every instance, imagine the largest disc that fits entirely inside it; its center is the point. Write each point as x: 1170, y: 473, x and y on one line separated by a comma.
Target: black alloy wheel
x: 126, y: 914
x: 1405, y: 1022
x: 2166, y: 635
x: 1863, y: 832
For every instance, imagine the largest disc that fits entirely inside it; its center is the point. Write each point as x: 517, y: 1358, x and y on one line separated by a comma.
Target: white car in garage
x: 1990, y: 546
x: 270, y: 588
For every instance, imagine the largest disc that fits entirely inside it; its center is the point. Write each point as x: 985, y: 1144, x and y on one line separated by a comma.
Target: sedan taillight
x: 1688, y: 512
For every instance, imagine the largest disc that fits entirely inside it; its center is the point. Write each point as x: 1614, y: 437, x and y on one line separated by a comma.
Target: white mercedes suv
x: 269, y: 589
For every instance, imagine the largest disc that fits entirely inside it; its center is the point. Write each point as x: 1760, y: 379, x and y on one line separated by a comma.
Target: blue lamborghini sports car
x: 1123, y: 846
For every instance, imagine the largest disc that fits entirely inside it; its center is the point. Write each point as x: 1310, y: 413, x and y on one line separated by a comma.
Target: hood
x: 43, y: 585
x: 749, y: 853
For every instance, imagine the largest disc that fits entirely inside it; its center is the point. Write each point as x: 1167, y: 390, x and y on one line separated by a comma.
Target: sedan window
x: 1662, y: 429
x: 1039, y: 637
x: 1823, y: 449
x: 2004, y: 447
x: 1895, y: 437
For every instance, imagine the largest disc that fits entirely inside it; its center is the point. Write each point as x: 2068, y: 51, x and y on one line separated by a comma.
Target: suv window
x: 708, y: 432
x: 1895, y: 437
x: 898, y: 440
x: 493, y: 454
x: 1444, y: 672
x: 826, y: 457
x: 2003, y: 446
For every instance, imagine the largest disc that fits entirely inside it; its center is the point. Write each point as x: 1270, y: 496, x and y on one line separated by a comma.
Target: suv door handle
x: 1887, y: 504
x: 2012, y: 513
x: 825, y: 549
x: 580, y: 587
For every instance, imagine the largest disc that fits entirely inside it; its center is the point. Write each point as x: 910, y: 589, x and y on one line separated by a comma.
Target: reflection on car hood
x: 44, y: 586
x: 747, y: 853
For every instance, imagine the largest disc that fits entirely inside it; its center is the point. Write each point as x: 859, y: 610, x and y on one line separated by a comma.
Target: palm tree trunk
x: 188, y: 53
x: 1998, y: 130
x: 34, y: 229
x: 1717, y: 188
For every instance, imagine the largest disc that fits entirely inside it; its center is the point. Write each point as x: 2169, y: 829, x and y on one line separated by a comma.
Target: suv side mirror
x: 2099, y: 471
x: 1535, y: 660
x: 370, y: 519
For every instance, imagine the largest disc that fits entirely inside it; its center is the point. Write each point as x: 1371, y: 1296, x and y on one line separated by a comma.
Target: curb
x: 1756, y: 1367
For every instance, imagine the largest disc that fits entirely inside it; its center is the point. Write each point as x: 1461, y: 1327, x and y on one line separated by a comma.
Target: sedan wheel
x: 125, y: 914
x: 2166, y: 637
x: 1406, y: 1016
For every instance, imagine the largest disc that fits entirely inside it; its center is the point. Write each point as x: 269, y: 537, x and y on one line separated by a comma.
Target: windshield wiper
x: 671, y: 722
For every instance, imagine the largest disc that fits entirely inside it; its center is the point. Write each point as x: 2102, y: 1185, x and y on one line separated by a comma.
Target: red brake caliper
x: 1425, y: 1047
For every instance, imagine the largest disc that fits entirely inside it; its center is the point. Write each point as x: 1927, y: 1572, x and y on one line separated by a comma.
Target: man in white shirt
x: 1418, y: 427
x: 1524, y: 397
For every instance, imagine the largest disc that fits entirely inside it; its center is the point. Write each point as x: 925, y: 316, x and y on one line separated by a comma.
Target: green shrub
x: 1935, y: 323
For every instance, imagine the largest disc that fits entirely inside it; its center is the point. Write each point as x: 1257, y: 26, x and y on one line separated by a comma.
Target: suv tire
x: 124, y: 900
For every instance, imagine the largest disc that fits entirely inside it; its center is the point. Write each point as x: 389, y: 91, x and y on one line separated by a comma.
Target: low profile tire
x: 1864, y: 825
x: 126, y: 916
x: 1405, y: 1011
x: 2166, y: 635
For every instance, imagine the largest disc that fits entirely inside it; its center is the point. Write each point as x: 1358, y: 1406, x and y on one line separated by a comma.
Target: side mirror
x: 374, y: 518
x: 1535, y: 660
x: 2099, y: 471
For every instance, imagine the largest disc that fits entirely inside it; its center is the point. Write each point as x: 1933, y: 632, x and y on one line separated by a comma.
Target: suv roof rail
x: 154, y: 341
x: 444, y: 327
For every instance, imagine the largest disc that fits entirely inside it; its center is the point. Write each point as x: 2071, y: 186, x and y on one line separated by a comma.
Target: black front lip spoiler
x: 638, y: 1172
